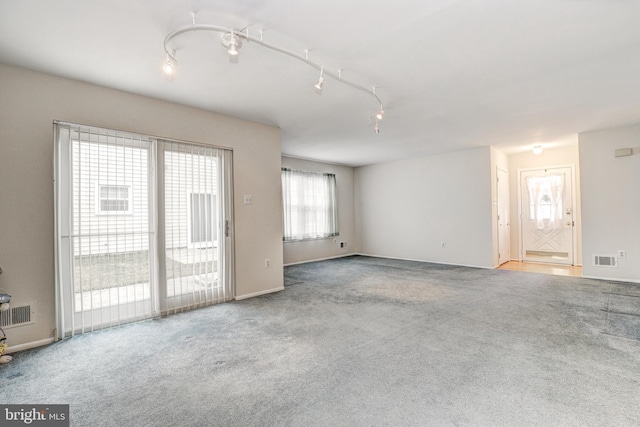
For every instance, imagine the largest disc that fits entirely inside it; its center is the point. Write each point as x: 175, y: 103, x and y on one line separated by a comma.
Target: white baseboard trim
x: 424, y: 260
x: 257, y: 294
x: 28, y: 345
x: 612, y: 279
x: 320, y: 259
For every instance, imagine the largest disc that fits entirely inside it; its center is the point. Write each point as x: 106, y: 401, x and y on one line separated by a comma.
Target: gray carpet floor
x: 360, y: 341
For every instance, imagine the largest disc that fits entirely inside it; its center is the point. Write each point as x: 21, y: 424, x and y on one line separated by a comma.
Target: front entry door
x: 547, y: 223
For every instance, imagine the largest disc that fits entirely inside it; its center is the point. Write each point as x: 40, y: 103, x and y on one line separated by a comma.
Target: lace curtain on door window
x: 545, y: 200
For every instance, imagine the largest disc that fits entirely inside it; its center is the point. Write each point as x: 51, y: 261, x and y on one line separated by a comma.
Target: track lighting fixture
x: 318, y: 85
x: 233, y: 40
x: 233, y: 48
x: 373, y: 120
x: 169, y: 66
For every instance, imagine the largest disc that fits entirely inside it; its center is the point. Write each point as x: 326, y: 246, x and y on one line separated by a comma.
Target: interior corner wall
x: 611, y: 201
x: 310, y: 250
x: 549, y: 157
x: 31, y: 101
x: 407, y: 208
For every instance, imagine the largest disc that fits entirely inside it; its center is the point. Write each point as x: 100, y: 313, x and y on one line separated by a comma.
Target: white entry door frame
x: 543, y: 239
x: 504, y: 229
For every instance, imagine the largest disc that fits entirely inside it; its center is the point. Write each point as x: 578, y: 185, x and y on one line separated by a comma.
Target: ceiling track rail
x: 243, y: 35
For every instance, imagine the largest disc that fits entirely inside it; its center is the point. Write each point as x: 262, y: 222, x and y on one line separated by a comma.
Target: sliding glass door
x: 142, y: 227
x: 196, y: 226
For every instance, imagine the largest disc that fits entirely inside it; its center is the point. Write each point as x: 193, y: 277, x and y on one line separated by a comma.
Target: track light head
x: 169, y: 66
x: 318, y: 85
x: 232, y: 42
x: 233, y: 49
x: 376, y: 128
x: 380, y: 114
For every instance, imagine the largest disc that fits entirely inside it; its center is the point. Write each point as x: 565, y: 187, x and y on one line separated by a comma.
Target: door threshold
x: 543, y: 268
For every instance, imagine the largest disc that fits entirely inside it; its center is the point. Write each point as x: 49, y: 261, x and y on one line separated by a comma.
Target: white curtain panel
x: 310, y: 205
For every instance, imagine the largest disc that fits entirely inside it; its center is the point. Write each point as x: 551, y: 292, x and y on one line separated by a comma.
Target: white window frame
x: 99, y: 199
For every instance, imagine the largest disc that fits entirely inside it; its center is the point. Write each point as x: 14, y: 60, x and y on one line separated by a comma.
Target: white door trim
x: 508, y: 219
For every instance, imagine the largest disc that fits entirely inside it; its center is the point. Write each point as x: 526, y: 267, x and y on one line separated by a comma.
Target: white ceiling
x: 453, y: 74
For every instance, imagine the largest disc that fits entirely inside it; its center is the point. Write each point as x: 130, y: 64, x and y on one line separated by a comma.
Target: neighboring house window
x: 113, y: 199
x: 310, y: 205
x: 201, y: 224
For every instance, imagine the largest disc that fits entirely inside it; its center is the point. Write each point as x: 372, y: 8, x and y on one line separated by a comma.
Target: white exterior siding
x: 101, y: 160
x: 121, y: 162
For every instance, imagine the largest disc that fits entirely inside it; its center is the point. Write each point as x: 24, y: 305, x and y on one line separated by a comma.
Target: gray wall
x: 31, y: 101
x: 611, y: 201
x: 406, y: 208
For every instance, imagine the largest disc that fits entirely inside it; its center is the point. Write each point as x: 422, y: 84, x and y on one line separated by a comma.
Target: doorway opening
x: 546, y: 213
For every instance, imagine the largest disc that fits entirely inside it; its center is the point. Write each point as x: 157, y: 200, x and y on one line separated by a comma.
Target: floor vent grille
x: 605, y: 260
x: 17, y: 316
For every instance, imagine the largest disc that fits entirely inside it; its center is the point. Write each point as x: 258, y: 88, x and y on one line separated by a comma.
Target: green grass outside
x: 126, y: 268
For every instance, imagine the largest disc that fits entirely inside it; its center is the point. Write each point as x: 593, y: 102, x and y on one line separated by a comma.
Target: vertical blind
x: 309, y: 204
x: 193, y: 225
x: 104, y: 227
x: 141, y: 227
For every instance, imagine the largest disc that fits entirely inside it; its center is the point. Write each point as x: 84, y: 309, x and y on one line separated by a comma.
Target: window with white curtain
x: 310, y: 205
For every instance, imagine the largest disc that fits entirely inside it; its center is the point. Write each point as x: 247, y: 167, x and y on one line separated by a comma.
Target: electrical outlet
x: 248, y: 199
x: 443, y: 244
x: 622, y: 253
x: 267, y: 263
x: 343, y: 244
